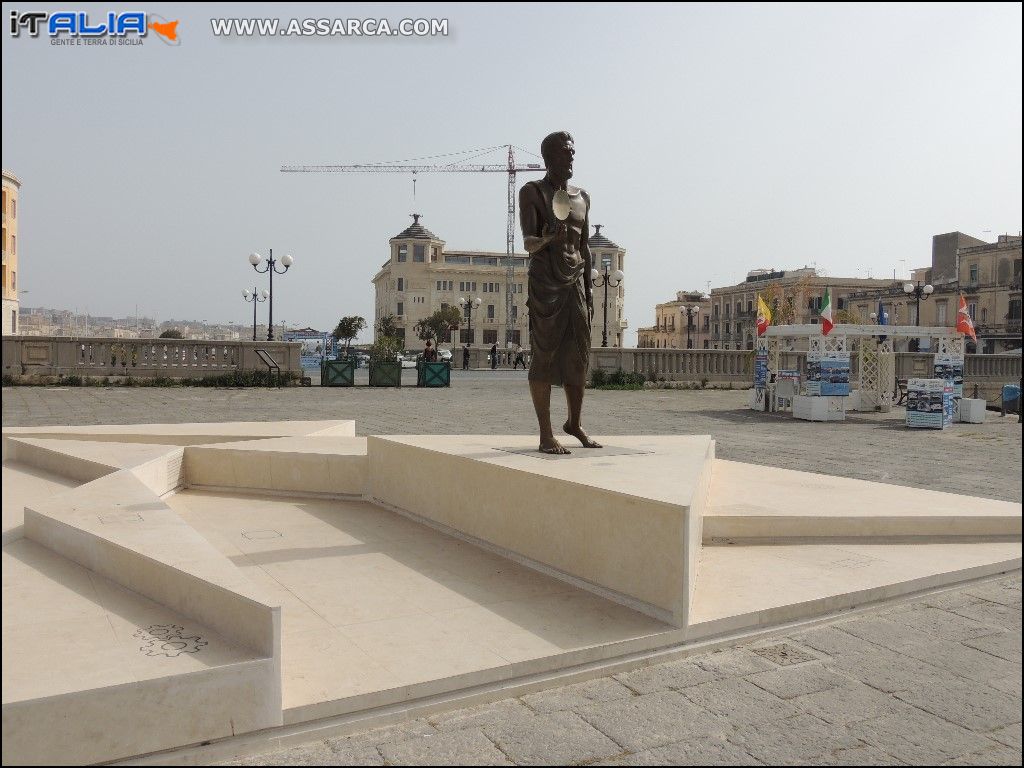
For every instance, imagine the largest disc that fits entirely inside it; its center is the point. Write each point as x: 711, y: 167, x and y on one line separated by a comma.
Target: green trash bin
x: 437, y: 374
x: 338, y: 373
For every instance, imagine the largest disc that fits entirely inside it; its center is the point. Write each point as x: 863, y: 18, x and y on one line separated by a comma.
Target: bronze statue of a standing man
x: 561, y: 301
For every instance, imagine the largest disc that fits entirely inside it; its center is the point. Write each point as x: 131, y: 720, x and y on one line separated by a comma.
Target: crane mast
x: 510, y: 167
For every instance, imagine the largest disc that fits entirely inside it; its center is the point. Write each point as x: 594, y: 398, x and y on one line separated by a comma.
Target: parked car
x: 408, y: 360
x: 444, y: 355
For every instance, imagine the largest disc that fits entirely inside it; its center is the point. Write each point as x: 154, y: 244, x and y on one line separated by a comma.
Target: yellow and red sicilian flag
x: 764, y: 316
x: 964, y: 324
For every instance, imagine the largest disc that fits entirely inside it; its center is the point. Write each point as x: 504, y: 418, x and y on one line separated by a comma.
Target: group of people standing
x: 515, y: 358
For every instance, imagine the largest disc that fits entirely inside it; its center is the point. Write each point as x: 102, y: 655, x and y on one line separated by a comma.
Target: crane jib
x: 510, y: 167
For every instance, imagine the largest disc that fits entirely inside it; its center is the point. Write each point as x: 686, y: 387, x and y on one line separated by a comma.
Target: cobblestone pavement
x: 933, y: 681
x: 977, y: 459
x: 936, y: 681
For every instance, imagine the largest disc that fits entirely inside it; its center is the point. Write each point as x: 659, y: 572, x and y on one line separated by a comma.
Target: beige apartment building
x: 683, y: 323
x: 421, y: 276
x: 794, y: 296
x: 987, y: 274
x: 11, y: 188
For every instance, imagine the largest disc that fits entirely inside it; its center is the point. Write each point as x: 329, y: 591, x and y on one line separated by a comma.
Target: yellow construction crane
x: 459, y: 165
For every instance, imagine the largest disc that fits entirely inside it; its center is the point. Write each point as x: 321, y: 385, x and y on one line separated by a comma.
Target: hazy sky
x: 712, y: 139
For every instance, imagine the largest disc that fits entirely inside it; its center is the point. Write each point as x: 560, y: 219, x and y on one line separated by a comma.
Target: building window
x: 940, y: 312
x: 515, y: 312
x: 14, y: 208
x: 418, y: 252
x: 972, y: 310
x: 841, y: 303
x: 401, y: 283
x: 490, y: 311
x: 707, y: 323
x: 516, y: 337
x: 401, y: 309
x: 705, y: 343
x: 727, y: 327
x: 490, y: 336
x: 714, y: 310
x: 438, y: 285
x: 465, y: 336
x: 974, y: 274
x: 403, y: 252
x: 14, y: 280
x: 984, y: 315
x: 1014, y: 313
x: 14, y: 244
x: 473, y: 288
x: 433, y: 253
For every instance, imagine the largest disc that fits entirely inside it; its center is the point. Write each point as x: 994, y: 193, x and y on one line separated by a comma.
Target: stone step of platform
x: 317, y: 464
x: 751, y: 503
x: 189, y: 433
x: 119, y: 673
x: 79, y: 460
x: 747, y: 588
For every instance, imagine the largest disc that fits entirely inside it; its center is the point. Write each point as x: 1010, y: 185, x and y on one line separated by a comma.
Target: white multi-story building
x: 421, y: 276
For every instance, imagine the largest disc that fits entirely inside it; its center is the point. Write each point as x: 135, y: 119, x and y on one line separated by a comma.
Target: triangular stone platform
x: 343, y: 577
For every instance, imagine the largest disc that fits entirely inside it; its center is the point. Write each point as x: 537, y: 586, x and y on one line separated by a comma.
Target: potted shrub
x: 385, y: 368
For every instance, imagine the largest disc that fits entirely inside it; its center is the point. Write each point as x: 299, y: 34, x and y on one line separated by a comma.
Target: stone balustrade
x: 736, y: 367
x: 37, y: 358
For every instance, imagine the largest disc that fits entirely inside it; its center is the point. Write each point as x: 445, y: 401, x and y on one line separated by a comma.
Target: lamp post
x: 256, y: 297
x: 271, y: 268
x: 606, y: 278
x: 468, y: 304
x: 919, y: 292
x: 690, y: 313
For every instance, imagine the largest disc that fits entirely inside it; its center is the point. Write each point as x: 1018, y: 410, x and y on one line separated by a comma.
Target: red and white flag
x: 964, y: 324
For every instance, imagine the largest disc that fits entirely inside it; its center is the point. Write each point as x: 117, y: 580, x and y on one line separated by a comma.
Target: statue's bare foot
x: 579, y: 434
x: 550, y: 445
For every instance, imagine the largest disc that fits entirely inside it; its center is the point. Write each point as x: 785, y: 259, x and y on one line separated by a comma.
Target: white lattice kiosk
x: 870, y: 345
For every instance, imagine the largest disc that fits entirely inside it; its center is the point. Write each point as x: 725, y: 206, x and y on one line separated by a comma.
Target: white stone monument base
x: 242, y: 584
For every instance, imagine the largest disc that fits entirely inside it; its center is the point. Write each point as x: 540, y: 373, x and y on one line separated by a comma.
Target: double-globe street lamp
x: 606, y: 278
x: 690, y: 313
x: 271, y: 268
x: 256, y: 297
x: 468, y: 304
x: 919, y: 292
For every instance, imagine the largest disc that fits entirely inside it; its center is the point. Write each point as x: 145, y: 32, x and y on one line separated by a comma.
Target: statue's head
x: 558, y: 150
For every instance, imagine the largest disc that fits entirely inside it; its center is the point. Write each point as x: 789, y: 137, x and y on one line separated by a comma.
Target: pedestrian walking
x: 465, y: 357
x: 520, y: 358
x: 494, y: 356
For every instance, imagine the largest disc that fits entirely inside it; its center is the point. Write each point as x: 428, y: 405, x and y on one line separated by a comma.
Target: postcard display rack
x: 826, y: 391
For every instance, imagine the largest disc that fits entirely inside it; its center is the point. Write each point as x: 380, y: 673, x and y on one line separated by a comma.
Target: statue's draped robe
x: 559, y: 319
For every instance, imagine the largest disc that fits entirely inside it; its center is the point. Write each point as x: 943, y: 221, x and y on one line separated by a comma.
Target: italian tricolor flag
x: 826, y: 314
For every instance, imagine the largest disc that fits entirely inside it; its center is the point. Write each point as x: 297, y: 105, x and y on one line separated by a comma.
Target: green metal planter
x: 338, y: 373
x: 434, y: 374
x: 385, y: 374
